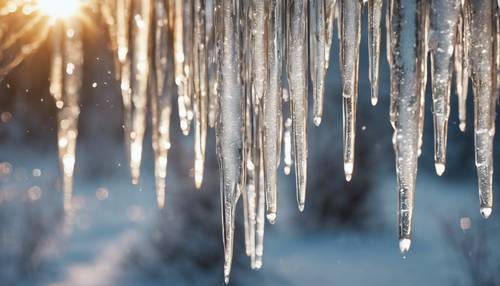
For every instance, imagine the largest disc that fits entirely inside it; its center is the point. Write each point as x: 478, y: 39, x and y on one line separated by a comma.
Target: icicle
x: 139, y: 83
x: 230, y: 123
x: 210, y: 11
x: 330, y: 6
x: 65, y: 85
x: 272, y: 109
x: 406, y: 45
x: 123, y: 10
x: 318, y: 58
x: 179, y: 56
x: 374, y: 24
x: 160, y: 92
x: 261, y: 211
x: 259, y: 34
x: 483, y: 71
x: 443, y: 24
x: 462, y: 66
x: 188, y: 83
x: 349, y: 31
x: 200, y: 90
x: 249, y: 174
x: 108, y: 10
x: 297, y: 80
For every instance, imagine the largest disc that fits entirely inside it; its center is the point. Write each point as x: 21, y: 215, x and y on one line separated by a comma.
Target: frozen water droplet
x: 348, y: 169
x: 317, y: 121
x: 486, y: 212
x: 462, y: 126
x: 271, y: 218
x: 440, y: 168
x: 404, y: 245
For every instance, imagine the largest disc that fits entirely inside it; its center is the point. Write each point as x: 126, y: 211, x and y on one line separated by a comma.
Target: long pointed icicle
x: 461, y: 58
x: 318, y: 59
x: 406, y: 25
x: 374, y: 33
x: 123, y: 8
x: 66, y: 71
x: 272, y: 109
x: 139, y: 83
x: 200, y: 90
x: 160, y: 92
x: 249, y: 178
x: 297, y: 80
x: 229, y: 143
x: 443, y: 24
x: 349, y: 31
x: 483, y: 75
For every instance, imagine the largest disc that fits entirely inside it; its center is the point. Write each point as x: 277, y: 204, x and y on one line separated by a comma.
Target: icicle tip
x: 462, y: 126
x: 271, y: 217
x: 301, y: 207
x: 440, y: 168
x: 317, y: 121
x: 404, y: 245
x: 348, y: 170
x: 374, y: 101
x: 486, y: 212
x: 258, y: 265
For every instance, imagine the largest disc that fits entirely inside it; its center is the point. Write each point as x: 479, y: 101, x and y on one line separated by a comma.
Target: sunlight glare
x: 59, y: 9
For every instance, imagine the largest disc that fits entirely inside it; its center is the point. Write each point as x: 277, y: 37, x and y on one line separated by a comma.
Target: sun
x: 59, y: 9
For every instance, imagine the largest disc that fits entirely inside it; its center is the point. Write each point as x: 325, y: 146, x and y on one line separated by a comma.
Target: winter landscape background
x: 347, y: 234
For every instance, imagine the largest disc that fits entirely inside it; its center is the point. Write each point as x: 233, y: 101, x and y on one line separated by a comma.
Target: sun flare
x: 59, y: 9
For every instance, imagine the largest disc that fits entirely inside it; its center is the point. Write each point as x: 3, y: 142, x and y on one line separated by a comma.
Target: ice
x: 244, y: 66
x: 65, y: 85
x: 200, y: 103
x: 330, y: 9
x: 161, y: 98
x: 483, y: 74
x: 272, y: 106
x: 461, y: 61
x: 349, y: 35
x: 297, y: 78
x: 229, y: 126
x: 140, y: 65
x: 407, y: 20
x: 443, y: 26
x: 374, y: 33
x: 318, y: 58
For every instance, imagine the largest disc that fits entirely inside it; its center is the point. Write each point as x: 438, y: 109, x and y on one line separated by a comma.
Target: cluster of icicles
x: 244, y: 67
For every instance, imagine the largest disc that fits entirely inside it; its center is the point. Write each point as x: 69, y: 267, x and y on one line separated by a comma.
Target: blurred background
x: 347, y: 234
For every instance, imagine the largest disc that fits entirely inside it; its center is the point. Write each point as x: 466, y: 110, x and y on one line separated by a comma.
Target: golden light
x: 59, y: 9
